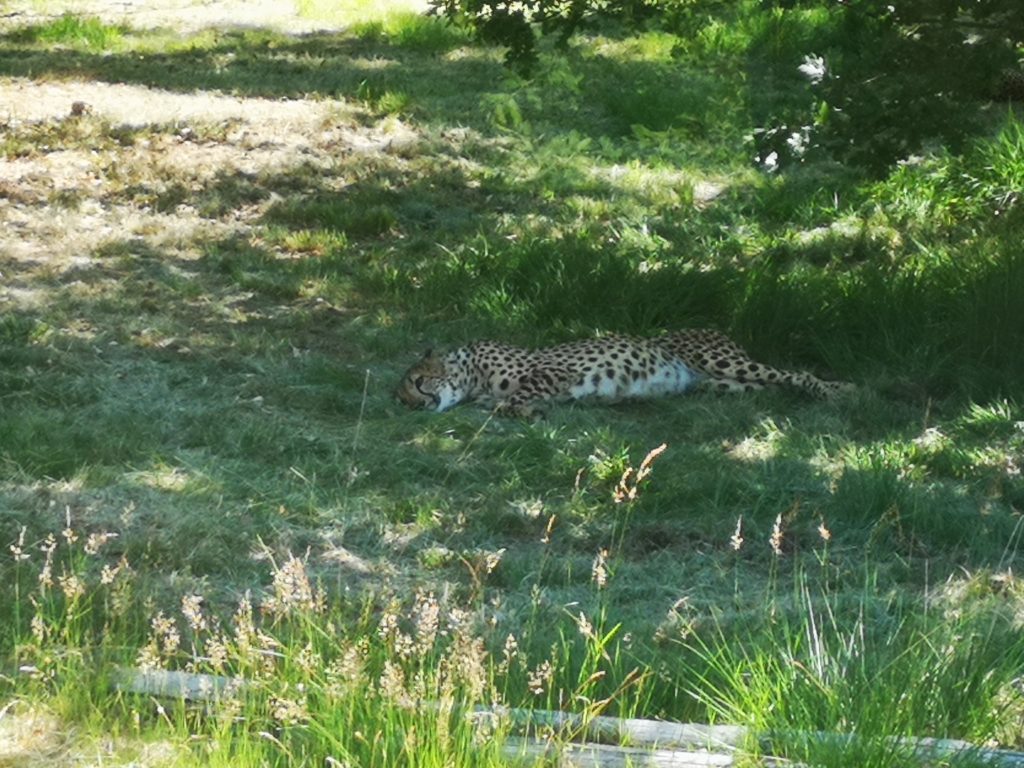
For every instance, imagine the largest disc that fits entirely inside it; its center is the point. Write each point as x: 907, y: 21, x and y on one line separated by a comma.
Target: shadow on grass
x: 231, y: 437
x: 460, y: 266
x: 268, y: 65
x: 437, y: 244
x: 225, y: 393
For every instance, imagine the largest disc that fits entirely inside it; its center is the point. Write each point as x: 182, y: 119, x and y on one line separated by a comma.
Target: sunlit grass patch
x: 354, y: 11
x: 79, y: 32
x: 412, y: 30
x: 315, y: 241
x: 358, y: 215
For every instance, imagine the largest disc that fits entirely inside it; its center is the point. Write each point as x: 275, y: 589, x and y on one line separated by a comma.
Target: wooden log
x: 169, y: 684
x: 569, y: 755
x: 661, y: 744
x: 619, y: 730
x: 925, y: 749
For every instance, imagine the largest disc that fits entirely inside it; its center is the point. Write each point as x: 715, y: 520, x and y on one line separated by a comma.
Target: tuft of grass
x: 73, y: 132
x: 949, y: 191
x: 356, y: 216
x: 827, y: 686
x: 301, y: 670
x: 413, y: 31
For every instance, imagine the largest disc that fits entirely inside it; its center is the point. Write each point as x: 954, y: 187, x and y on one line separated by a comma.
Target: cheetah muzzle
x: 520, y: 381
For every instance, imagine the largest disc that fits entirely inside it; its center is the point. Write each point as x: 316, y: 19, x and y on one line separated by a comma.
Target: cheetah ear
x: 432, y: 355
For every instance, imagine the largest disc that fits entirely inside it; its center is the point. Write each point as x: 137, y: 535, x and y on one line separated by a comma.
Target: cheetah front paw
x: 525, y: 411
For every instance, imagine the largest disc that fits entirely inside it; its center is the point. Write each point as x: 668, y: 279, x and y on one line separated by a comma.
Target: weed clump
x: 290, y: 673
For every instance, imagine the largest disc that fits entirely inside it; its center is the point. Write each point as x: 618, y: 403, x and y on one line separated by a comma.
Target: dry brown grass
x: 89, y: 191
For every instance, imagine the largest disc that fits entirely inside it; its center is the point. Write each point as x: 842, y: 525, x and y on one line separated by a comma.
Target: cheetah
x: 520, y: 381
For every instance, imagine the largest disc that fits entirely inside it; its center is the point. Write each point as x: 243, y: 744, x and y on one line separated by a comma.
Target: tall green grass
x: 853, y: 685
x: 308, y: 677
x: 818, y: 674
x: 79, y: 32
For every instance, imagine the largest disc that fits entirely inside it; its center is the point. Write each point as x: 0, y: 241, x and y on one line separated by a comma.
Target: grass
x: 820, y: 674
x: 211, y: 381
x: 82, y: 33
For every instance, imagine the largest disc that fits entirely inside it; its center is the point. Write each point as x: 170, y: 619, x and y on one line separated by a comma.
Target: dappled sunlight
x: 856, y: 237
x: 195, y: 15
x: 652, y: 47
x: 138, y: 106
x: 971, y: 592
x: 172, y: 183
x: 373, y: 64
x: 166, y: 478
x: 349, y: 11
x: 657, y: 186
x: 486, y: 56
x: 220, y: 249
x: 444, y: 443
x: 755, y: 449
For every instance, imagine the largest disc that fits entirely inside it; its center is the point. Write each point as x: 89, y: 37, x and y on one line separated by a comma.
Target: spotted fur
x: 518, y: 381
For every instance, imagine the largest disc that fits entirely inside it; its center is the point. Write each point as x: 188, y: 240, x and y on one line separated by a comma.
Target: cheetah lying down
x: 518, y: 381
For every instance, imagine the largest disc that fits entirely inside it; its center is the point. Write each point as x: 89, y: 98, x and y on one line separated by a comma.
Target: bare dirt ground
x: 259, y: 135
x: 183, y: 15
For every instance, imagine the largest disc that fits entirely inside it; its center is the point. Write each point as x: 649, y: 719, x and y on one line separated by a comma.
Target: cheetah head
x: 419, y: 386
x: 427, y: 384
